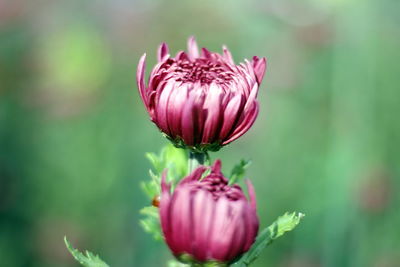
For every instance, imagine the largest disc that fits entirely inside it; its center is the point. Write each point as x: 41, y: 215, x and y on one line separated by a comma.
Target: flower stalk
x: 197, y: 159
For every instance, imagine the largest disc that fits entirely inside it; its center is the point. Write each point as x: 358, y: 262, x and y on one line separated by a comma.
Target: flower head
x: 206, y: 219
x: 201, y: 100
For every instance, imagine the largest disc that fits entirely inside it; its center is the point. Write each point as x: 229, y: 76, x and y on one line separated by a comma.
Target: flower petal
x: 181, y: 223
x: 245, y: 125
x: 162, y: 52
x: 231, y: 115
x: 212, y: 105
x: 203, y: 218
x: 228, y: 216
x: 164, y: 208
x: 140, y: 78
x: 193, y: 50
x: 162, y: 108
x: 252, y: 225
x: 176, y: 104
x: 187, y: 121
x: 216, y: 168
x: 227, y: 55
x: 252, y: 97
x: 259, y: 66
x: 240, y: 231
x: 195, y: 175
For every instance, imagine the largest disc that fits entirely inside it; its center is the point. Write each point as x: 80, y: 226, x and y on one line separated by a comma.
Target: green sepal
x: 88, y: 260
x: 190, y: 261
x: 283, y: 224
x: 199, y: 148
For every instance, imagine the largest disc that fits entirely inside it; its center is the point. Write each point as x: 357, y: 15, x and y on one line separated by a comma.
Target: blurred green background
x: 73, y: 131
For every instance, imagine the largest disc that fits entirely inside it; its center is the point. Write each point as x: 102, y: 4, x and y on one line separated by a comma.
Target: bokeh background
x: 73, y: 131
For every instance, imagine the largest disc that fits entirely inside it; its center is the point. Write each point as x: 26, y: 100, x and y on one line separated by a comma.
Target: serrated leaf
x: 283, y: 224
x: 151, y: 188
x: 88, y: 260
x: 239, y: 171
x: 155, y: 161
x: 151, y: 222
x: 176, y: 160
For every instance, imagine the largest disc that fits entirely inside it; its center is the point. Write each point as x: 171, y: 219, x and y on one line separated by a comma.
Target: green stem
x: 196, y: 159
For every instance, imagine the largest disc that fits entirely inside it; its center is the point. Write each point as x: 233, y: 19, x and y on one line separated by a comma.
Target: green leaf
x: 171, y: 158
x: 283, y: 224
x: 176, y: 161
x: 88, y: 260
x: 151, y: 222
x: 238, y: 171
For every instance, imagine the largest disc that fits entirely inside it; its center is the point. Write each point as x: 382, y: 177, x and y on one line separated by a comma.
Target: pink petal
x: 164, y: 208
x: 213, y: 108
x: 140, y: 78
x: 176, y: 104
x: 195, y: 175
x: 231, y: 114
x: 252, y: 97
x: 216, y: 168
x: 203, y: 217
x: 187, y: 121
x: 205, y: 53
x: 252, y: 225
x: 181, y: 221
x: 193, y: 50
x: 245, y: 125
x: 218, y: 237
x: 162, y: 52
x: 240, y: 231
x: 162, y: 108
x: 227, y: 55
x: 259, y: 66
x: 199, y: 115
x: 228, y: 217
x: 181, y: 55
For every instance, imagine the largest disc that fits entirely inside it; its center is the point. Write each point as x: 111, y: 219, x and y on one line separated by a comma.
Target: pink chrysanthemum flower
x: 201, y: 100
x: 207, y: 220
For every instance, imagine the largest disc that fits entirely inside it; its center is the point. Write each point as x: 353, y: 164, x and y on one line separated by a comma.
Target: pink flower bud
x: 201, y: 100
x: 206, y: 219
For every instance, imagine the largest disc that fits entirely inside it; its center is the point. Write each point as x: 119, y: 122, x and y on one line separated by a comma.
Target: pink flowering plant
x: 201, y: 101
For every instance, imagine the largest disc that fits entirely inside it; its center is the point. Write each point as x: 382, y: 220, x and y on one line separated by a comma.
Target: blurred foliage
x: 73, y: 130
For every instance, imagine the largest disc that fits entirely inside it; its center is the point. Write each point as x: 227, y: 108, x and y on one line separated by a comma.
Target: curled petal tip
x: 259, y: 66
x: 252, y: 194
x: 162, y: 52
x: 195, y: 175
x: 193, y: 50
x: 216, y: 168
x: 140, y: 77
x: 227, y: 54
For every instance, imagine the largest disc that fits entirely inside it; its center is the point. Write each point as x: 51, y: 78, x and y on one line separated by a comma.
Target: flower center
x: 201, y: 70
x: 218, y: 186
